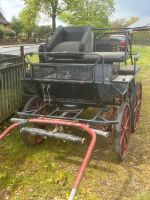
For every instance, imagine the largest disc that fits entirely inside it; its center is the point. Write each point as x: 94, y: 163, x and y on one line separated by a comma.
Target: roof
x: 143, y: 24
x: 3, y: 20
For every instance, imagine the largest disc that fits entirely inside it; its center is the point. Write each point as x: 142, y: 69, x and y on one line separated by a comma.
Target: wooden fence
x: 11, y: 71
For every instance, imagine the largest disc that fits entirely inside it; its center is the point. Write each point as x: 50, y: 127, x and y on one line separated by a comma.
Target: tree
x: 28, y: 21
x: 124, y: 23
x: 16, y: 25
x: 88, y: 12
x: 132, y: 20
x: 119, y: 23
x: 51, y: 8
x: 43, y: 30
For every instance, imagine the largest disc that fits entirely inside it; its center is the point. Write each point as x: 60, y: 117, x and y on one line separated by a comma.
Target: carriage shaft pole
x: 62, y: 123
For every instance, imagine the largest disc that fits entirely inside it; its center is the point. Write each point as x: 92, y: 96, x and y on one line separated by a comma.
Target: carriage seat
x: 71, y: 39
x: 72, y: 46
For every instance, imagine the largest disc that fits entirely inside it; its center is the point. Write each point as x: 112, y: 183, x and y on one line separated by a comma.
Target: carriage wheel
x: 136, y: 106
x: 32, y: 104
x: 123, y: 131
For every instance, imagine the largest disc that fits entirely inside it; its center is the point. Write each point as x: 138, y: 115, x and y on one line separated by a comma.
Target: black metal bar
x: 110, y: 28
x: 89, y: 121
x: 136, y: 57
x: 73, y: 110
x: 97, y: 114
x: 53, y: 80
x: 57, y: 135
x: 65, y: 55
x: 57, y: 109
x: 78, y: 113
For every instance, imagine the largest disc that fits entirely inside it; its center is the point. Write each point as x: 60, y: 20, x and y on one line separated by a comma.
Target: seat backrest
x: 74, y: 33
x: 74, y: 39
x: 56, y: 38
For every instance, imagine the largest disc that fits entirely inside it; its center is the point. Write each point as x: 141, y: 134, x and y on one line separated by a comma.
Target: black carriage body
x: 72, y: 71
x: 77, y: 83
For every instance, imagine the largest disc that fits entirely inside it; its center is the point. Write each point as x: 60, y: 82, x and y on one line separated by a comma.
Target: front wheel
x: 32, y: 104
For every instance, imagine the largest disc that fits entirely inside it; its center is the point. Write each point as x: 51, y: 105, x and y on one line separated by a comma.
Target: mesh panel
x: 72, y: 72
x: 120, y: 86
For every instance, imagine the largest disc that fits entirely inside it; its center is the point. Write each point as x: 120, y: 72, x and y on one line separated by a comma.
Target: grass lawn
x: 47, y: 171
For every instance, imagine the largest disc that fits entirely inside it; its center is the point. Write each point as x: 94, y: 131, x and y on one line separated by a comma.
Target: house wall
x: 5, y: 27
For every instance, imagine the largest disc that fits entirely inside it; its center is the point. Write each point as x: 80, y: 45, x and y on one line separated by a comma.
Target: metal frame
x: 125, y: 31
x: 70, y: 55
x: 96, y: 120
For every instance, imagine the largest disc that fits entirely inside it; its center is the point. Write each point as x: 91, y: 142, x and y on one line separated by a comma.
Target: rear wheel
x: 136, y: 106
x: 33, y: 103
x: 123, y: 131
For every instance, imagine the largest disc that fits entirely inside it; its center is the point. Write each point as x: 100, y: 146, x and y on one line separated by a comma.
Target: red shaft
x: 64, y: 123
x: 6, y: 132
x: 89, y: 150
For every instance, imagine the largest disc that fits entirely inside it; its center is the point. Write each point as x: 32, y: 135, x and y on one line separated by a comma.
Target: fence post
x: 22, y: 54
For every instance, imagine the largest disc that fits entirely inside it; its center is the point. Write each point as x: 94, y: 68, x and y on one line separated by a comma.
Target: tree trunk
x: 54, y: 22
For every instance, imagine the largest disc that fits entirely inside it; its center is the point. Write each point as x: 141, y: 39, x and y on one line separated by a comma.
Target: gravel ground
x: 15, y: 49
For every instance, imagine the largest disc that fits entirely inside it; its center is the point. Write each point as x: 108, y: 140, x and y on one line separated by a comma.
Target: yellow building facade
x: 4, y: 24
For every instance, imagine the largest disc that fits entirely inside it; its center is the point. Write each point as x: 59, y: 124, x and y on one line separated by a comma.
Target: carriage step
x: 57, y: 135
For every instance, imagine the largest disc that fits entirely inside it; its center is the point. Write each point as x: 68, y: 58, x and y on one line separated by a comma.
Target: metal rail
x: 69, y: 55
x: 62, y: 114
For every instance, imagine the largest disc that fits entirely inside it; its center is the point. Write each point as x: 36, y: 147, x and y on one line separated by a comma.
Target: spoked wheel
x: 123, y: 131
x: 136, y: 106
x: 32, y: 104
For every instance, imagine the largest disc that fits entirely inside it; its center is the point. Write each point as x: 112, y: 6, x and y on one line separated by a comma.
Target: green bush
x: 10, y: 34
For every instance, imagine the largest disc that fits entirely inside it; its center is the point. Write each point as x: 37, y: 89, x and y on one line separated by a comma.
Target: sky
x: 124, y: 8
x: 11, y: 8
x: 130, y: 8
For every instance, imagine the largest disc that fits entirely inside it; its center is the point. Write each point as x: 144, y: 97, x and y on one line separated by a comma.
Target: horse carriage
x: 81, y: 68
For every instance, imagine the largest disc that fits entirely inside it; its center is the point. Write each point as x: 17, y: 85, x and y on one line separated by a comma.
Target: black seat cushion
x: 73, y: 46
